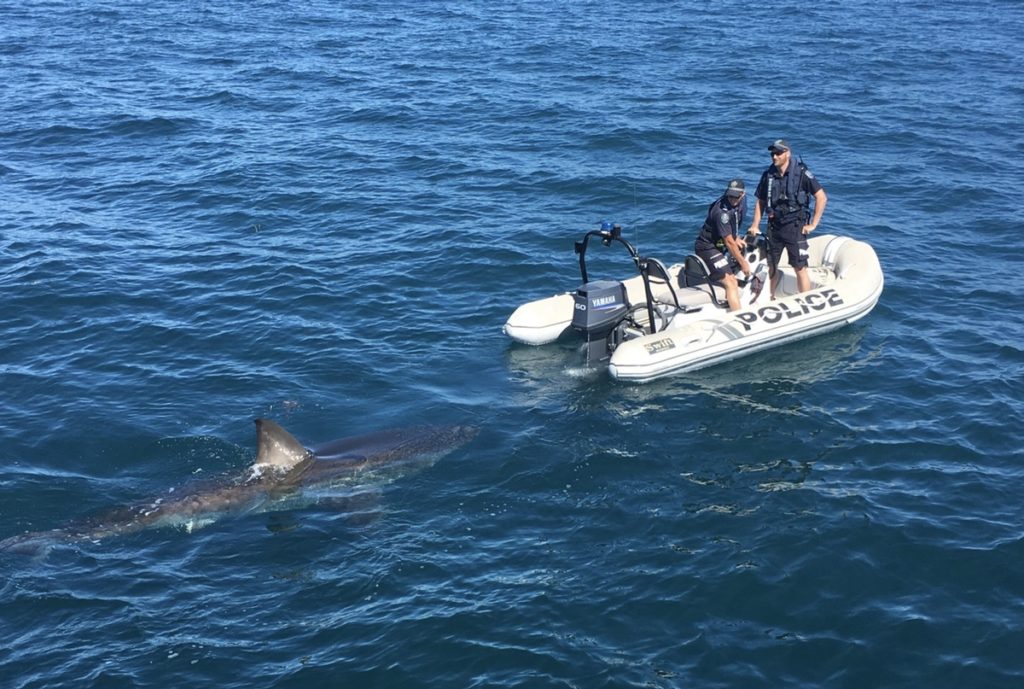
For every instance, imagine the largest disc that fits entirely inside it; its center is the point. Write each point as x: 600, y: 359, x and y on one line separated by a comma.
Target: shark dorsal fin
x: 278, y: 448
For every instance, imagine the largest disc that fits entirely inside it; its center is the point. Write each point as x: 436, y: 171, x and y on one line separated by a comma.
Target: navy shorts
x: 793, y: 240
x: 718, y: 263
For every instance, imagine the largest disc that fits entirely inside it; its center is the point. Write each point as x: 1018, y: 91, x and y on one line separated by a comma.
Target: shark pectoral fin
x: 277, y: 447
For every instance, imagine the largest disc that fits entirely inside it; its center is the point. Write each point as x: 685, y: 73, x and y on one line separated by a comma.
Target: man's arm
x: 820, y: 201
x: 756, y: 219
x: 736, y: 249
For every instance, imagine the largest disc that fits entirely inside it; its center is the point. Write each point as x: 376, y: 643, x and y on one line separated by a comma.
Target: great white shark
x: 286, y: 475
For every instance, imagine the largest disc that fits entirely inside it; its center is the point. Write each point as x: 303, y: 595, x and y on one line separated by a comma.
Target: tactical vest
x: 787, y: 199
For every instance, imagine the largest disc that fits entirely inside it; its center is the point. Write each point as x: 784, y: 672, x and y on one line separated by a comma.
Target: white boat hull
x: 846, y: 283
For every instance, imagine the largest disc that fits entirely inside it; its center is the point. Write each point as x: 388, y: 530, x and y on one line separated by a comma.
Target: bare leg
x: 732, y: 292
x: 803, y: 280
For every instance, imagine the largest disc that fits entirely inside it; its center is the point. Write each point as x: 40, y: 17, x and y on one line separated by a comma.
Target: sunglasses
x: 778, y: 153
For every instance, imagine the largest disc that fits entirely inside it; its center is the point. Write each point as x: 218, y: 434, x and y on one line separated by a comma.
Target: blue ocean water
x: 322, y: 213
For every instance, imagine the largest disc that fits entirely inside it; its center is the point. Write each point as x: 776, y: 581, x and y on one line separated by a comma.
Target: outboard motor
x: 599, y: 307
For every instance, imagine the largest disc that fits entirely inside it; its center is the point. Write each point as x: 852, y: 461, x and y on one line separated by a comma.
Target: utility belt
x: 706, y: 240
x: 778, y: 219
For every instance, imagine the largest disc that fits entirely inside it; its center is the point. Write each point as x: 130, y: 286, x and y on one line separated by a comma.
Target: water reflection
x: 555, y: 373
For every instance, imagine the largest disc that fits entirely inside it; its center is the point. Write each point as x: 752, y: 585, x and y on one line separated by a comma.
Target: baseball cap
x: 735, y: 187
x: 778, y: 146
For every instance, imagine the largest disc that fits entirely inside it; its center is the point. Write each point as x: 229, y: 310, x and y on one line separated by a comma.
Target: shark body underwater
x: 285, y: 476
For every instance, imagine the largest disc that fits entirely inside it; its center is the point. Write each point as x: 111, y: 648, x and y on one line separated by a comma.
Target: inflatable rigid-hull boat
x: 672, y: 320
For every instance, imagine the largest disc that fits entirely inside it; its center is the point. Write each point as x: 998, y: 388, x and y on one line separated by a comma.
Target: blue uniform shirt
x: 723, y: 220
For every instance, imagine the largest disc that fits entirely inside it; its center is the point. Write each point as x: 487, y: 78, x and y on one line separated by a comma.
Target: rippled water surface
x: 322, y: 213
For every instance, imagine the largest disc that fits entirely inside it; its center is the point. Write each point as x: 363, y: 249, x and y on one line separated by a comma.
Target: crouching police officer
x: 719, y: 235
x: 784, y: 194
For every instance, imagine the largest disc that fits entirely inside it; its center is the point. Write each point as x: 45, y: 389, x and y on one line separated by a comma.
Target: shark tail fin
x: 278, y: 448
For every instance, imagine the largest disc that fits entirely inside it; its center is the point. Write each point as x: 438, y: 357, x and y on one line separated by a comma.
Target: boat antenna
x: 634, y: 223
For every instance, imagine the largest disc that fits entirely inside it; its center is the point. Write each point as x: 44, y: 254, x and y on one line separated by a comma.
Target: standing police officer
x: 719, y: 234
x: 784, y: 194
